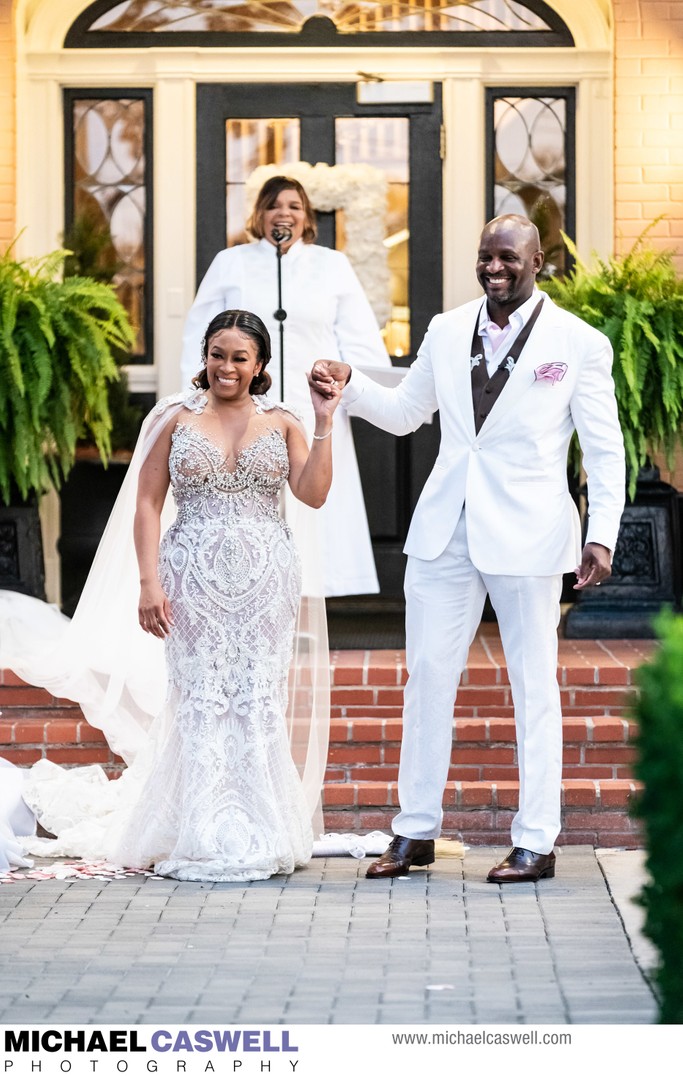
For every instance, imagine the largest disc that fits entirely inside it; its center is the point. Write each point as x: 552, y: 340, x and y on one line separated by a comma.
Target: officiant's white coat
x: 328, y: 317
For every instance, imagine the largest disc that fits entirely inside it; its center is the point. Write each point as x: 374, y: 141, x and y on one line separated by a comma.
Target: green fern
x: 58, y: 344
x: 637, y: 300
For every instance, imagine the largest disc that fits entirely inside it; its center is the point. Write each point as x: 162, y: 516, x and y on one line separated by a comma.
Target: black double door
x: 393, y: 470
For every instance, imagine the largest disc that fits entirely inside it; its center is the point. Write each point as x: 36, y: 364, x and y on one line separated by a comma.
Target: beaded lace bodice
x: 200, y: 472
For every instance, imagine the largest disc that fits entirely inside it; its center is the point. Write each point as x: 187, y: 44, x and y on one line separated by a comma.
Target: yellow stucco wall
x: 649, y: 122
x: 648, y: 160
x: 7, y: 126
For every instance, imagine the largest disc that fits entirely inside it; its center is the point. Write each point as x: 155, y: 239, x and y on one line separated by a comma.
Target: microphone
x: 281, y: 234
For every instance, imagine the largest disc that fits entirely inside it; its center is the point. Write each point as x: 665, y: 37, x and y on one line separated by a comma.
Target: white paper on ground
x: 357, y: 845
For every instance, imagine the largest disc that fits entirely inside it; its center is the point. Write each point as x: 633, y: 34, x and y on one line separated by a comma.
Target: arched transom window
x: 210, y: 22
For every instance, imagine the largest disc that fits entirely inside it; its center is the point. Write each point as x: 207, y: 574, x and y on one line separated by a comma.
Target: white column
x: 40, y: 167
x: 174, y: 224
x: 594, y: 167
x: 40, y: 217
x: 464, y: 198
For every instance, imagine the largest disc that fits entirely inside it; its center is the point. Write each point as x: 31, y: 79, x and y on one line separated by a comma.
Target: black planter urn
x: 646, y: 571
x: 22, y: 566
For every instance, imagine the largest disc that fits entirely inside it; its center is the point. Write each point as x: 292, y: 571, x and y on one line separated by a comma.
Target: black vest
x: 485, y: 389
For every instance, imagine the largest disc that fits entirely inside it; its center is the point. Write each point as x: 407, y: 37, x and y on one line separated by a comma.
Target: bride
x: 221, y: 726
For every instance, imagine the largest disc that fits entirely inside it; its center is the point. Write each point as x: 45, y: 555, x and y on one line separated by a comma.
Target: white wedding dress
x: 212, y: 791
x: 16, y: 820
x: 224, y: 800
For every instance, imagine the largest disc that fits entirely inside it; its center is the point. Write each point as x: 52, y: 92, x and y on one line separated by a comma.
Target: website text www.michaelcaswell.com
x: 481, y: 1038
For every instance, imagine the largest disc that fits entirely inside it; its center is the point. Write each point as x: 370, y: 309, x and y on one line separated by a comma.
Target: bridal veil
x: 103, y: 660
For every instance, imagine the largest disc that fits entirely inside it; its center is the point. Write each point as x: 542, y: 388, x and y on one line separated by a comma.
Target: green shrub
x: 636, y: 299
x: 59, y: 340
x: 659, y: 767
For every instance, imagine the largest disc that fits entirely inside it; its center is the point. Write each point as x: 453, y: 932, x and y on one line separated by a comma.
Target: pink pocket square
x: 550, y: 371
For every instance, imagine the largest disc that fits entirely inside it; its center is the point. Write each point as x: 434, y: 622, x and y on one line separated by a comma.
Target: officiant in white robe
x: 328, y: 317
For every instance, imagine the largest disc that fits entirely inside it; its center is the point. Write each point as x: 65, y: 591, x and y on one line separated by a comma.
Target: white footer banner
x: 332, y: 1050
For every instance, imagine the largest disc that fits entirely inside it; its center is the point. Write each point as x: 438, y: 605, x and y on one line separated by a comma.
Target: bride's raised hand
x: 325, y: 405
x: 154, y: 610
x: 326, y: 375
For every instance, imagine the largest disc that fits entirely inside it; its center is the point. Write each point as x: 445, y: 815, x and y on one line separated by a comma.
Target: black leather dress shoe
x: 521, y: 865
x: 402, y: 854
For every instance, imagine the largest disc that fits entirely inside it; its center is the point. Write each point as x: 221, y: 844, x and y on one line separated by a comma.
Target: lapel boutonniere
x: 550, y: 371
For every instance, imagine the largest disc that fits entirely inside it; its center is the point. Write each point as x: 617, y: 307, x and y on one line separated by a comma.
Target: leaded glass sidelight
x: 107, y: 200
x: 531, y: 164
x: 505, y: 19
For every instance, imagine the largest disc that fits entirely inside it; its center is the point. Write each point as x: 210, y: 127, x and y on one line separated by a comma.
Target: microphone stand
x: 280, y: 235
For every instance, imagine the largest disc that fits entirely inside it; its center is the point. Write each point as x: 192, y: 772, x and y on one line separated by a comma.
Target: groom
x: 512, y: 377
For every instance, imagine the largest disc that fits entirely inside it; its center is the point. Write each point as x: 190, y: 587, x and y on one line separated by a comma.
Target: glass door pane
x: 383, y: 142
x: 107, y: 225
x: 248, y: 144
x: 530, y: 168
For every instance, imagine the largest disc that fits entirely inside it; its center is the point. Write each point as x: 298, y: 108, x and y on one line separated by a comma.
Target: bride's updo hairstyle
x: 252, y: 326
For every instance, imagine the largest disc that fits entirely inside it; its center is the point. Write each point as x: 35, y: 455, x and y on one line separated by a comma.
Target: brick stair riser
x: 382, y: 681
x: 478, y: 762
x: 356, y: 704
x: 66, y: 737
x: 360, y: 792
x: 599, y: 828
x: 471, y: 701
x: 596, y: 813
x: 373, y: 678
x: 56, y: 731
x: 483, y: 749
x: 581, y: 793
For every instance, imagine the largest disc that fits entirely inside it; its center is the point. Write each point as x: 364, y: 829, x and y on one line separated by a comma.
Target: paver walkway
x: 326, y: 946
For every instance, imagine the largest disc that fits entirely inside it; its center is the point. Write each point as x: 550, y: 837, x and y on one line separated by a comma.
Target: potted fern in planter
x: 91, y: 253
x: 91, y: 480
x: 58, y: 340
x: 636, y: 299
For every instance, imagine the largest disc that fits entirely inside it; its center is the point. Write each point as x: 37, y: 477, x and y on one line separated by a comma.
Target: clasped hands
x: 328, y: 377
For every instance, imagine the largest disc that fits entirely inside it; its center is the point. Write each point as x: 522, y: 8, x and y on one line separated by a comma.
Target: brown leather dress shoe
x: 520, y: 865
x: 402, y: 854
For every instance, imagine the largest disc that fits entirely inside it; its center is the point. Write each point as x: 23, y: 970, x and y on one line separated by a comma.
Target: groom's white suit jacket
x: 521, y: 519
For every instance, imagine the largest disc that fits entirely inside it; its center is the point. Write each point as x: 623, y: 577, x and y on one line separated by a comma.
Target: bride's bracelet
x: 322, y: 436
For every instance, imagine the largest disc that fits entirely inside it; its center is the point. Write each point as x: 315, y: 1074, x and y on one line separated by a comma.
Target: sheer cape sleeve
x: 104, y: 661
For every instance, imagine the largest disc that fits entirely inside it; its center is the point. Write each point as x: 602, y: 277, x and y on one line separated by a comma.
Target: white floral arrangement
x: 361, y: 191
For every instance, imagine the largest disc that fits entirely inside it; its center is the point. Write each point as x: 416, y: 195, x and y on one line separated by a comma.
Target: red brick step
x: 597, y: 687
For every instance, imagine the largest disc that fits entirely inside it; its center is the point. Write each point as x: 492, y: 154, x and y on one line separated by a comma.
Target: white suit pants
x: 444, y: 602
